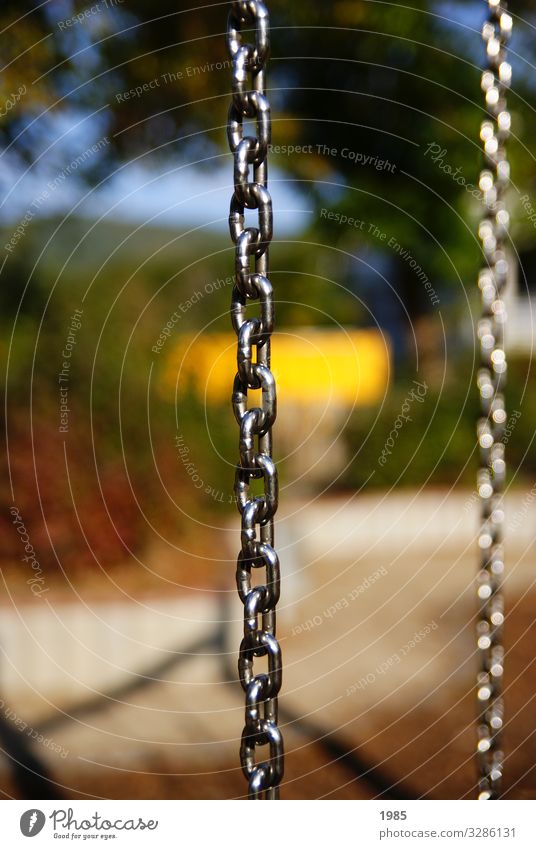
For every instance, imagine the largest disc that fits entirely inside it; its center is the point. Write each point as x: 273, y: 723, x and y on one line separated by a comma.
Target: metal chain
x: 492, y: 279
x: 250, y: 153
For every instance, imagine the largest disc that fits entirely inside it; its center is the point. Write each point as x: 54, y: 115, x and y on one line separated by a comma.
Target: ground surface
x: 366, y: 709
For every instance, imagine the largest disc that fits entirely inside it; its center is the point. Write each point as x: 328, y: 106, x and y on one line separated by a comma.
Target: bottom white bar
x: 285, y: 825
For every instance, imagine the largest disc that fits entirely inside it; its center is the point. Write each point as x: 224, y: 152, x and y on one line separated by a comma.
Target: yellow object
x: 311, y: 366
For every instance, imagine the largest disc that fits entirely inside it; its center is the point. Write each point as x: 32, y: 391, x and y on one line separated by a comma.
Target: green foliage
x: 437, y: 446
x: 371, y: 78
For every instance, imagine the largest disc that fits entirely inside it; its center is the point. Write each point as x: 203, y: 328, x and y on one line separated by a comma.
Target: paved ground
x: 377, y: 634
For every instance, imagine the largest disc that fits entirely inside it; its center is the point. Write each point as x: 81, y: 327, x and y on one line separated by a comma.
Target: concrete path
x: 375, y: 622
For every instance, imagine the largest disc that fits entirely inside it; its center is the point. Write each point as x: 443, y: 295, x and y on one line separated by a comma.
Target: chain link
x: 492, y: 279
x: 250, y: 153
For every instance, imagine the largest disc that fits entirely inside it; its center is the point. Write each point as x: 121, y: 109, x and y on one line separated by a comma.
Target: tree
x: 383, y: 97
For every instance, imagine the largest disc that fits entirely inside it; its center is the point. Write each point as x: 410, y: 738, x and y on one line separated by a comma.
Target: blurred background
x: 119, y: 621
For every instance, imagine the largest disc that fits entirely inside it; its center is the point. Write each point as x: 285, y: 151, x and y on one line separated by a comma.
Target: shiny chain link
x: 250, y: 153
x: 492, y: 279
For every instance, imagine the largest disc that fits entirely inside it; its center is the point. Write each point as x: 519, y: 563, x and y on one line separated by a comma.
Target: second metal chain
x: 492, y: 279
x: 249, y: 102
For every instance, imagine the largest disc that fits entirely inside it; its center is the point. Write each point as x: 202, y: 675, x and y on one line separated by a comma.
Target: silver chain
x: 249, y: 102
x: 492, y: 279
